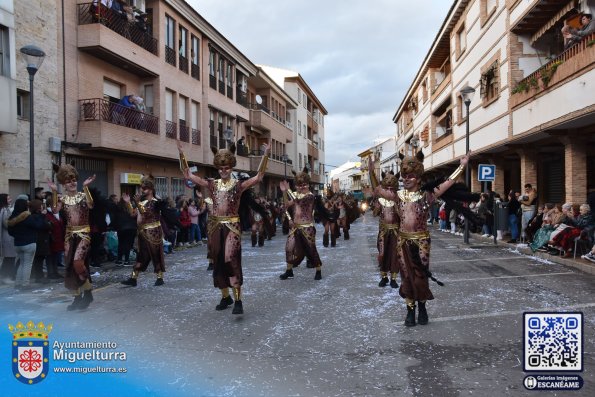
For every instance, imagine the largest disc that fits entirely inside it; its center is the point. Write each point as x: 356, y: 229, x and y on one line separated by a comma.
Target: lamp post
x: 467, y: 95
x: 284, y: 158
x: 33, y: 57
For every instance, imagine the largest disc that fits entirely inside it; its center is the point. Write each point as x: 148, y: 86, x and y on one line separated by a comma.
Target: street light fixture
x: 33, y: 57
x: 467, y: 96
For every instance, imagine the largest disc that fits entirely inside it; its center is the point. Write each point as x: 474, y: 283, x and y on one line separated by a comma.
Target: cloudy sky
x: 359, y: 57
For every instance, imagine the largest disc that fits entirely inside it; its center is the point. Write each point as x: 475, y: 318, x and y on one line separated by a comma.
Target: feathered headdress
x: 389, y: 179
x: 65, y: 172
x: 302, y: 177
x: 412, y: 165
x: 148, y: 181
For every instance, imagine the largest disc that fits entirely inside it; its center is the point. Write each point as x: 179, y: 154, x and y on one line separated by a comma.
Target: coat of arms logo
x: 30, y: 351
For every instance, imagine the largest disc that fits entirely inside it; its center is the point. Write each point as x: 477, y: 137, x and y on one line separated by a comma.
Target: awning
x: 559, y: 15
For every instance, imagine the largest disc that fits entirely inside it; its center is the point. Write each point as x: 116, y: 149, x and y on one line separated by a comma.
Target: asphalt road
x: 340, y: 336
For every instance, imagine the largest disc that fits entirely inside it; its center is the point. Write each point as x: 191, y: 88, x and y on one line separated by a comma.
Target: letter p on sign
x: 486, y: 173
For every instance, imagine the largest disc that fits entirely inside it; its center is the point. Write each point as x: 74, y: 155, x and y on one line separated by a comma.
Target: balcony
x: 195, y: 71
x: 556, y: 72
x: 101, y: 31
x: 313, y: 149
x: 183, y: 61
x: 97, y: 109
x: 170, y: 55
x: 266, y: 122
x: 184, y: 133
x: 195, y: 136
x: 171, y: 129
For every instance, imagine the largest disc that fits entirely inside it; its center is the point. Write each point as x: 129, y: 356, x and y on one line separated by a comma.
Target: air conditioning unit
x: 55, y: 144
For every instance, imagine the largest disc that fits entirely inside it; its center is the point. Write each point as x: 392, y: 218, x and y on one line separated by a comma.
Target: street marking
x: 521, y: 276
x: 515, y: 312
x: 480, y: 259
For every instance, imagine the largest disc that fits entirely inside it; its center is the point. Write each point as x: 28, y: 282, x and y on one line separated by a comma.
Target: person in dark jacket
x: 126, y: 231
x: 24, y: 227
x: 42, y: 248
x: 513, y: 221
x: 57, y: 233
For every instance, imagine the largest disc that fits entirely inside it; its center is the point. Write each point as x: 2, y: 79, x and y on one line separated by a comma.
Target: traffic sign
x: 486, y: 173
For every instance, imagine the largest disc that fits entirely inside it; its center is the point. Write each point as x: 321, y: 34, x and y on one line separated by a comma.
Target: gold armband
x: 456, y: 172
x: 141, y: 208
x: 130, y: 209
x: 263, y: 164
x: 88, y: 195
x: 291, y: 194
x: 183, y: 162
x: 288, y: 216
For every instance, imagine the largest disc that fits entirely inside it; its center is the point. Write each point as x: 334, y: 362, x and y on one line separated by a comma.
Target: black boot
x: 318, y: 275
x: 309, y: 264
x: 253, y: 236
x: 238, y: 308
x: 422, y: 314
x: 261, y: 240
x: 383, y: 282
x: 159, y: 281
x: 210, y: 267
x: 86, y: 301
x: 346, y: 234
x: 333, y: 240
x: 225, y: 302
x: 131, y: 282
x: 410, y: 319
x: 288, y: 274
x: 325, y: 239
x: 393, y: 283
x: 76, y: 303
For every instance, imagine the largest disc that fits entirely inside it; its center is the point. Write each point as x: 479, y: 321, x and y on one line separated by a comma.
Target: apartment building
x: 197, y: 89
x: 386, y: 159
x: 308, y: 145
x: 533, y: 113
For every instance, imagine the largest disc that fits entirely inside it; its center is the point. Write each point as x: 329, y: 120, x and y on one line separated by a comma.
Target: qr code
x: 553, y: 341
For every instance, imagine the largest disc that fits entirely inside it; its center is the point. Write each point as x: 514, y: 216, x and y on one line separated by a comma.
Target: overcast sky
x: 359, y: 57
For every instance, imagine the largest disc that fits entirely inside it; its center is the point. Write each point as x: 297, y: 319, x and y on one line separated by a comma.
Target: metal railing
x: 171, y: 129
x: 184, y: 133
x: 134, y: 30
x: 104, y: 110
x: 229, y: 92
x: 195, y: 136
x: 170, y: 55
x: 183, y: 64
x: 213, y: 140
x: 195, y: 71
x: 563, y: 57
x: 212, y: 82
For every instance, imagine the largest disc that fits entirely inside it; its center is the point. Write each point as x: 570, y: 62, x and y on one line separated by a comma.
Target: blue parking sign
x: 486, y: 173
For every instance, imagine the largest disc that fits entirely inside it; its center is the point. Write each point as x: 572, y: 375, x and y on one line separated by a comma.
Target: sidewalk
x: 578, y: 263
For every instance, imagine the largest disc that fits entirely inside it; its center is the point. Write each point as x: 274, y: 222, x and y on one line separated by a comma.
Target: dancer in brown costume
x: 77, y: 242
x: 330, y: 227
x: 301, y: 241
x: 413, y: 204
x: 388, y: 231
x: 224, y: 229
x: 150, y: 233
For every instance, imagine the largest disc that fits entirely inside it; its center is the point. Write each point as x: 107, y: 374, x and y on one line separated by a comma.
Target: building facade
x: 533, y: 113
x: 196, y: 87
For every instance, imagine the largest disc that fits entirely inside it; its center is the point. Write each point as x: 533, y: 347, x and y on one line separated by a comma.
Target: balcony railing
x: 212, y: 82
x: 184, y: 133
x: 221, y: 87
x: 195, y: 136
x: 171, y: 129
x: 195, y: 71
x: 229, y: 92
x: 546, y: 70
x: 183, y: 64
x: 170, y: 55
x: 134, y: 30
x: 213, y: 140
x: 104, y: 110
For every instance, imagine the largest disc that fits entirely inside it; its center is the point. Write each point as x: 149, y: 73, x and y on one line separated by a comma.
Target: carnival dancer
x: 224, y: 230
x: 413, y: 203
x: 76, y: 207
x: 330, y: 226
x: 301, y: 241
x: 150, y: 234
x: 257, y: 228
x: 388, y: 231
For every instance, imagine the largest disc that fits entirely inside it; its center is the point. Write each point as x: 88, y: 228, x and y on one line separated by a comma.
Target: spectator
x: 185, y: 222
x: 194, y: 235
x: 23, y: 226
x: 7, y: 251
x: 573, y: 36
x: 57, y: 232
x: 443, y: 218
x: 485, y: 214
x: 513, y: 211
x: 534, y: 224
x: 123, y: 108
x: 582, y: 226
x: 528, y: 204
x: 591, y: 255
x: 42, y: 247
x: 241, y: 147
x: 127, y: 228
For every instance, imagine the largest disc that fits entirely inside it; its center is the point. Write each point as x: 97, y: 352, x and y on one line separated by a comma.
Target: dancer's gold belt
x: 224, y: 219
x: 151, y: 225
x: 414, y: 235
x: 227, y: 221
x: 81, y: 231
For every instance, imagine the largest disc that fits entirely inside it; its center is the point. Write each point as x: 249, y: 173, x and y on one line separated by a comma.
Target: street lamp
x: 33, y: 57
x: 467, y: 95
x: 284, y: 158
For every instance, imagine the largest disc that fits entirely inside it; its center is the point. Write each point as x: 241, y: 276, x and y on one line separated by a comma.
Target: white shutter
x: 169, y: 105
x: 182, y: 108
x: 194, y: 113
x: 111, y: 89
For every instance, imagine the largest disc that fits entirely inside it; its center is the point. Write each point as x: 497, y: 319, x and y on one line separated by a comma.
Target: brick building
x: 533, y: 113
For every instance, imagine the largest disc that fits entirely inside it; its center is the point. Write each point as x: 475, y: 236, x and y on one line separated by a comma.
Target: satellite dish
x: 259, y: 99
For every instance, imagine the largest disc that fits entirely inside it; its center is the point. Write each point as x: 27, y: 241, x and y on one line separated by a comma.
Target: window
x: 489, y: 89
x: 212, y: 78
x: 299, y: 96
x: 23, y: 104
x: 177, y: 187
x: 161, y: 186
x: 183, y: 39
x: 488, y: 7
x: 169, y: 31
x: 221, y: 71
x: 149, y: 101
x: 4, y: 52
x: 461, y: 40
x: 112, y: 91
x: 228, y: 79
x: 182, y: 110
x: 169, y: 105
x: 299, y: 127
x: 300, y: 157
x: 194, y: 51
